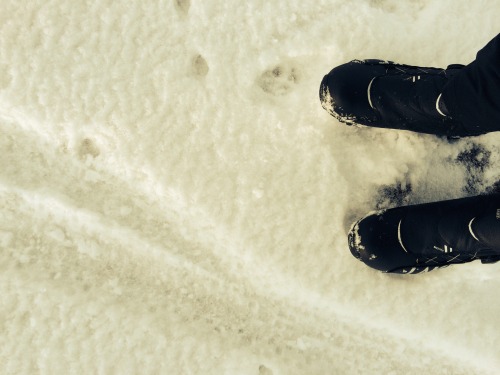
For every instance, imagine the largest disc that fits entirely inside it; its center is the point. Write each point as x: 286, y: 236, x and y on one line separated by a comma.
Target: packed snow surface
x: 174, y: 200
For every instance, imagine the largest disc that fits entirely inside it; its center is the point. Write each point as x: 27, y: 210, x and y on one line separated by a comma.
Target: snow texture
x: 174, y: 200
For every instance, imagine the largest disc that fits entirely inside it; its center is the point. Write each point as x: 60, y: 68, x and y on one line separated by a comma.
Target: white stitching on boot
x: 437, y: 106
x: 399, y: 236
x: 471, y: 231
x: 369, y: 93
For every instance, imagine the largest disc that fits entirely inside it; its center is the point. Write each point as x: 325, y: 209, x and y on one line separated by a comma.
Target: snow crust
x: 174, y: 200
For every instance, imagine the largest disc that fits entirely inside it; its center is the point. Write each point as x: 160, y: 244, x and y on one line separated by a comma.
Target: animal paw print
x: 88, y: 148
x: 182, y: 6
x: 279, y: 80
x: 199, y: 66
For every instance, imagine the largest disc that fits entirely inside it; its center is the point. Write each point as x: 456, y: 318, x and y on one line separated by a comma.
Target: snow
x: 174, y: 199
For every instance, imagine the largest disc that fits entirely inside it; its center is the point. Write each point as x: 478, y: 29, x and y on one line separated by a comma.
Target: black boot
x: 423, y: 237
x: 388, y: 95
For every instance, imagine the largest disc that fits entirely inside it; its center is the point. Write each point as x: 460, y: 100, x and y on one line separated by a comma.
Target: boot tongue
x: 344, y: 91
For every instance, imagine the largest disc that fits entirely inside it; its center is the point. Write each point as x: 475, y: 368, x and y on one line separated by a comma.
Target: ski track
x: 117, y: 258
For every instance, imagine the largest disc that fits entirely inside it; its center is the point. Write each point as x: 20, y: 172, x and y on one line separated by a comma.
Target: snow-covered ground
x: 174, y: 200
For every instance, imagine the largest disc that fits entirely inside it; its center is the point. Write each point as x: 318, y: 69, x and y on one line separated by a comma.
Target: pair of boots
x: 417, y: 238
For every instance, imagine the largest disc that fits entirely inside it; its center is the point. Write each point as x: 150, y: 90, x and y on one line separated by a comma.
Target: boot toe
x: 374, y: 240
x: 344, y: 92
